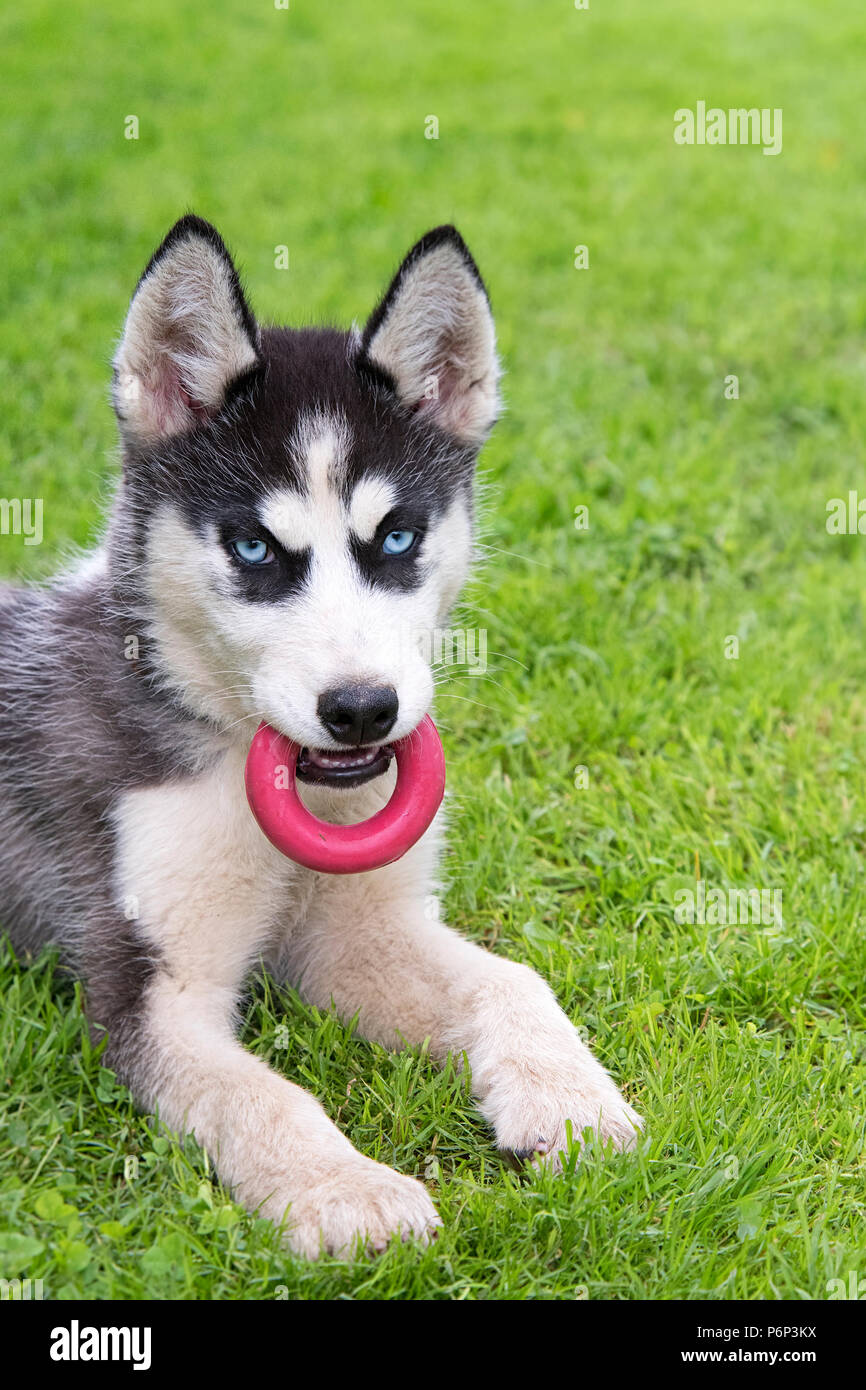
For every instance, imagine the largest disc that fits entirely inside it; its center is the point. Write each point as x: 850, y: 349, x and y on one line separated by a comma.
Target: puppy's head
x: 296, y: 508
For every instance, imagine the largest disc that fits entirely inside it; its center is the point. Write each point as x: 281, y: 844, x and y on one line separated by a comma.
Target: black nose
x: 359, y: 713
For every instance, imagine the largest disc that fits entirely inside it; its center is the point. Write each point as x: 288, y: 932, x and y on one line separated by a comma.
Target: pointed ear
x: 433, y: 336
x: 188, y: 336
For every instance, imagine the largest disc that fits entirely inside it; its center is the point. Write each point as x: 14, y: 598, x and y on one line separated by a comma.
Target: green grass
x: 744, y: 1046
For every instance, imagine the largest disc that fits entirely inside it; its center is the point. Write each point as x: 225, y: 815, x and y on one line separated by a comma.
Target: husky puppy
x: 290, y: 502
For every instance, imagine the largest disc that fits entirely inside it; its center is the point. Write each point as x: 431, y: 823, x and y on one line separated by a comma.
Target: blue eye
x: 398, y: 542
x: 252, y: 550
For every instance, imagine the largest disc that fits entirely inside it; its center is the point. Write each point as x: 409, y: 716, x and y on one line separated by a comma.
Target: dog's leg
x: 206, y: 884
x: 371, y: 949
x: 270, y: 1140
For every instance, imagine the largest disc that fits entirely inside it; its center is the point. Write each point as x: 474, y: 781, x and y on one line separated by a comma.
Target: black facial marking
x: 273, y: 581
x: 397, y: 572
x: 218, y: 474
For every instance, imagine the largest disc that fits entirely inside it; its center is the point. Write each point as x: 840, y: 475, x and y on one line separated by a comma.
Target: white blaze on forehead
x: 324, y: 445
x: 301, y: 519
x: 319, y: 448
x: 371, y: 500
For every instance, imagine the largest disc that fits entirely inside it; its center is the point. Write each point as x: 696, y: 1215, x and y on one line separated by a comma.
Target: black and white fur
x: 131, y: 688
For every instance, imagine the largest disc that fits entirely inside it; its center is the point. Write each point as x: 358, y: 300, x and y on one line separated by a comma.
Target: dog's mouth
x: 344, y: 769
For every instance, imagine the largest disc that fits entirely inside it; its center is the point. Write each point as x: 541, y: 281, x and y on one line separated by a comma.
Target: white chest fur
x: 206, y: 886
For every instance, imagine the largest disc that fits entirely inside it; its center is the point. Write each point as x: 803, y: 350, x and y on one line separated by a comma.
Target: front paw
x: 531, y: 1109
x: 358, y: 1206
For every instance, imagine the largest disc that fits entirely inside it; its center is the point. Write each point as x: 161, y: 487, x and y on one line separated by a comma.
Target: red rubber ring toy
x: 345, y: 849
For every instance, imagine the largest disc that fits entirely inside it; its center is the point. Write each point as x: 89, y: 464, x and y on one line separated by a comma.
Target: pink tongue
x: 361, y: 758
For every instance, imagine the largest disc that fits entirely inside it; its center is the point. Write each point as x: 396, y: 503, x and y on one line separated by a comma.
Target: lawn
x: 620, y: 745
